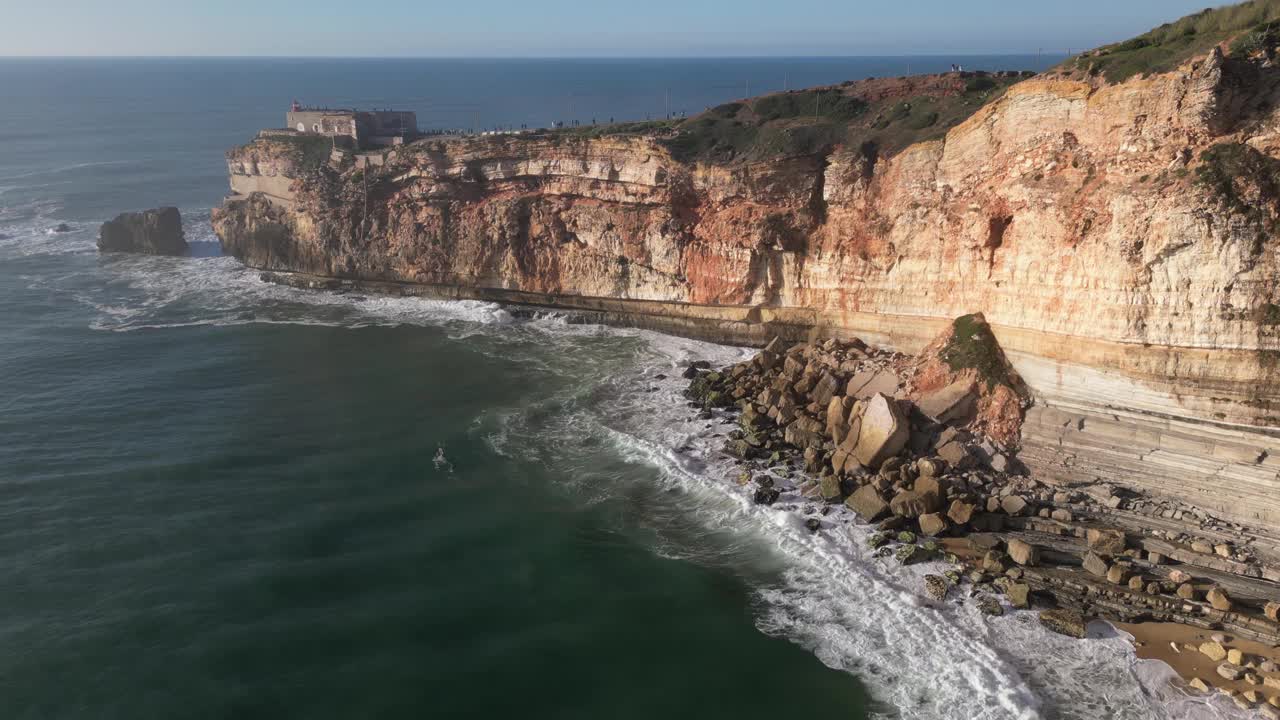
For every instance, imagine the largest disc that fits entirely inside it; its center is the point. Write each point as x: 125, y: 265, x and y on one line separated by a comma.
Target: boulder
x: 766, y: 495
x: 1064, y: 622
x: 1272, y: 611
x: 825, y: 389
x: 883, y: 432
x: 1019, y: 595
x: 870, y: 383
x: 804, y: 432
x: 151, y: 232
x: 1061, y: 515
x: 1179, y: 576
x: 1118, y: 575
x: 984, y: 542
x: 1235, y: 656
x: 961, y: 512
x: 994, y: 562
x: 1013, y: 505
x: 829, y: 488
x: 837, y: 420
x: 913, y: 504
x: 1227, y: 671
x: 988, y: 605
x: 868, y: 503
x: 936, y: 587
x: 1095, y: 565
x: 1199, y: 685
x: 1219, y: 599
x: 929, y: 484
x: 933, y: 524
x: 1106, y: 541
x: 1214, y: 651
x: 1023, y: 553
x: 929, y: 467
x: 1186, y: 591
x: 951, y: 403
x: 956, y: 454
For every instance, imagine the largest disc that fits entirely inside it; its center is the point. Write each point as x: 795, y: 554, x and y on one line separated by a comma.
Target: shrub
x: 1171, y: 44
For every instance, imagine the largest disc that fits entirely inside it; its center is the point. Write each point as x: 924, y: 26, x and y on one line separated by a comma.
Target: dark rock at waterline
x: 151, y: 232
x: 61, y: 228
x: 767, y: 496
x: 813, y: 524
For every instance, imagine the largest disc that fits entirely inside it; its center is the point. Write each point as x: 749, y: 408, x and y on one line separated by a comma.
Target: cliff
x: 1119, y: 237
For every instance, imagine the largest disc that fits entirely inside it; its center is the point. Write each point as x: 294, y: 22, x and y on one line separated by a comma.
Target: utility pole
x: 748, y: 88
x: 817, y: 100
x: 666, y: 101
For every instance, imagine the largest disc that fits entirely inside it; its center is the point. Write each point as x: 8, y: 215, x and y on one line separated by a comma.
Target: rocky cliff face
x: 1118, y: 237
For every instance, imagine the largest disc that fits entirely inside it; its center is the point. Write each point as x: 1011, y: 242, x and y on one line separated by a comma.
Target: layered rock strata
x: 1132, y: 287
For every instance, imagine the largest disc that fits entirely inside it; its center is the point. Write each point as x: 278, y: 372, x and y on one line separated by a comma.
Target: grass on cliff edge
x: 807, y: 122
x: 972, y: 346
x: 1252, y: 25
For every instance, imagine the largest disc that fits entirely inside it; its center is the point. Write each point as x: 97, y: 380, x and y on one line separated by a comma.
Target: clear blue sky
x: 537, y: 28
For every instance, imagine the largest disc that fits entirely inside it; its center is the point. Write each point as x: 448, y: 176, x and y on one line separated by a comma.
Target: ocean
x: 222, y: 498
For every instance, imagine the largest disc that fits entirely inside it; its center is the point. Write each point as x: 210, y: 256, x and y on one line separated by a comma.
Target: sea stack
x: 150, y: 232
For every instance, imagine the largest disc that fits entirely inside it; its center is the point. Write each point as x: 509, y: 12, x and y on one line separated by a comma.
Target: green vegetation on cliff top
x: 1251, y: 26
x: 880, y: 116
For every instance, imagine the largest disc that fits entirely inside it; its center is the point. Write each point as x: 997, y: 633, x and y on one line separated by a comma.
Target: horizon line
x: 538, y: 57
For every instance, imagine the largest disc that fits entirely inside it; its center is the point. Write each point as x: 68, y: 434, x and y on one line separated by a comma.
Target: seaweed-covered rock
x: 936, y: 587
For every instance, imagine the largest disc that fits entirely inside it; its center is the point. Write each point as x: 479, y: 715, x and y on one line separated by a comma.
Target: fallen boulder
x: 883, y: 432
x: 1022, y: 552
x: 913, y: 504
x: 933, y: 524
x: 961, y: 512
x: 936, y: 587
x: 953, y: 402
x: 1064, y: 622
x: 868, y: 503
x: 1095, y: 565
x: 150, y: 232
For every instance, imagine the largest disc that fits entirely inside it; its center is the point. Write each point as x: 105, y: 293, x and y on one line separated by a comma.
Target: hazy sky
x: 503, y: 28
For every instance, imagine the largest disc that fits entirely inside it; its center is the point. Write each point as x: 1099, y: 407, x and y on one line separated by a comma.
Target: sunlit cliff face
x: 1073, y: 214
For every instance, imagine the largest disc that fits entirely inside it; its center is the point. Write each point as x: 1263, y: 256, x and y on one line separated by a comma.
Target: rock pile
x: 926, y: 448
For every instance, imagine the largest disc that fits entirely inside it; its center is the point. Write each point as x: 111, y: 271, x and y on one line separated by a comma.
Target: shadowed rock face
x: 150, y: 232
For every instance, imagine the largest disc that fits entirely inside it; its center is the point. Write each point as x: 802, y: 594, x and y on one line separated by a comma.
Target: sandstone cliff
x: 1119, y: 237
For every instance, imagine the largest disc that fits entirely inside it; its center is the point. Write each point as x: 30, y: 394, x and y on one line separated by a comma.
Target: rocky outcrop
x: 150, y: 232
x: 1117, y: 237
x: 1028, y: 539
